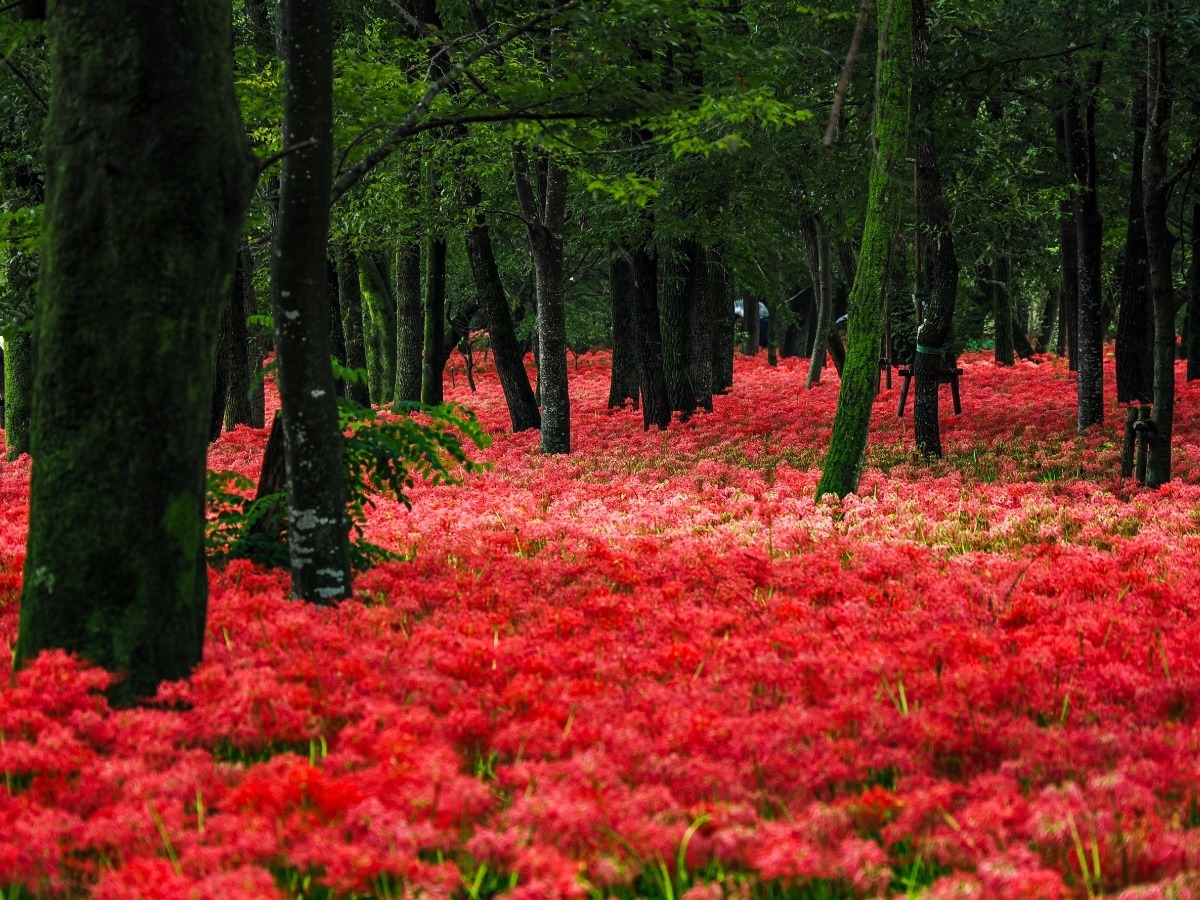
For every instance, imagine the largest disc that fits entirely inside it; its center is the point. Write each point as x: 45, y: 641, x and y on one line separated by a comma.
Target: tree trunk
x: 1068, y: 265
x: 115, y: 568
x: 698, y: 295
x: 1160, y: 245
x: 223, y: 361
x: 1193, y: 312
x: 506, y: 350
x: 1135, y: 319
x: 753, y: 319
x: 1002, y: 312
x: 240, y: 409
x: 318, y: 530
x: 379, y: 323
x: 675, y: 315
x: 720, y: 305
x: 544, y: 211
x: 816, y: 247
x: 1081, y: 162
x: 337, y: 337
x: 433, y: 350
x: 18, y: 393
x: 410, y: 322
x: 860, y: 377
x: 624, y: 383
x: 656, y: 404
x: 350, y: 292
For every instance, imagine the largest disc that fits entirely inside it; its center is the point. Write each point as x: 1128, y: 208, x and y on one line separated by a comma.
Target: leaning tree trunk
x: 1080, y: 128
x: 1135, y: 319
x: 140, y: 233
x: 318, y: 530
x: 410, y: 322
x: 860, y: 375
x: 624, y: 383
x: 506, y: 350
x: 656, y: 404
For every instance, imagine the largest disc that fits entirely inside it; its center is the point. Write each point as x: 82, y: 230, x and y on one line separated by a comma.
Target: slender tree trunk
x: 506, y: 350
x: 18, y: 393
x: 1002, y: 312
x: 350, y: 292
x: 1068, y: 264
x: 624, y: 383
x: 753, y: 319
x: 410, y: 322
x: 259, y: 343
x: 1080, y: 127
x: 433, y: 352
x: 337, y: 337
x: 720, y: 304
x: 816, y: 246
x: 240, y: 410
x: 1135, y: 319
x: 220, y: 389
x: 318, y: 530
x: 138, y: 244
x: 379, y: 324
x: 1193, y: 312
x: 656, y: 404
x: 860, y: 377
x: 698, y: 297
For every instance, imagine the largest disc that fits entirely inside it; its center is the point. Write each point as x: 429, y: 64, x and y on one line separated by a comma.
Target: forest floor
x: 657, y: 668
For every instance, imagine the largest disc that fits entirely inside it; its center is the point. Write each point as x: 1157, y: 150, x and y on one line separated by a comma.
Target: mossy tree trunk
x: 379, y: 324
x: 18, y: 393
x: 543, y: 207
x: 350, y: 292
x: 318, y: 530
x: 1079, y: 119
x: 624, y: 382
x: 148, y: 178
x: 410, y: 322
x: 506, y: 350
x: 860, y: 374
x: 1135, y: 319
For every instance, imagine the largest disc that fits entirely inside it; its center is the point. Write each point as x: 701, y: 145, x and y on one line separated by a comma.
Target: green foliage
x: 384, y: 456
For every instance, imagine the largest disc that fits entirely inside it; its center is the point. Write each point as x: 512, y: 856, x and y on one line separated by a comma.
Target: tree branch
x: 25, y: 80
x: 264, y: 164
x: 839, y: 96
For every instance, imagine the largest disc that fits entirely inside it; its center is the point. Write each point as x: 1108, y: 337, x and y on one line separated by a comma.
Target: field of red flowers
x: 656, y: 668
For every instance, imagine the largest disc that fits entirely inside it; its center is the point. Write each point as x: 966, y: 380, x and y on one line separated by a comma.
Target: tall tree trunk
x: 544, y: 211
x: 223, y: 362
x: 1135, y: 319
x: 350, y: 292
x: 816, y: 251
x: 624, y: 383
x: 506, y: 350
x: 18, y: 393
x: 656, y: 404
x: 1002, y: 312
x: 1068, y: 264
x: 410, y: 322
x: 860, y: 377
x: 1193, y: 312
x: 1080, y: 127
x: 698, y: 300
x: 318, y: 530
x: 379, y: 323
x: 433, y: 351
x: 115, y: 568
x: 240, y: 409
x: 337, y: 337
x: 720, y: 304
x: 675, y: 321
x: 753, y: 319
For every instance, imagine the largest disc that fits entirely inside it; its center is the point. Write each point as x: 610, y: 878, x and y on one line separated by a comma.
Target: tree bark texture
x: 1002, y: 312
x: 675, y: 325
x: 433, y: 350
x: 337, y: 337
x: 350, y: 292
x: 1193, y: 311
x: 18, y: 393
x: 410, y: 322
x: 1135, y: 318
x: 624, y: 382
x: 816, y: 251
x: 1079, y: 118
x: 506, y: 350
x: 721, y: 319
x: 318, y: 530
x: 148, y: 179
x: 860, y: 376
x: 379, y: 325
x: 1068, y: 264
x: 698, y: 296
x: 656, y: 403
x: 239, y: 409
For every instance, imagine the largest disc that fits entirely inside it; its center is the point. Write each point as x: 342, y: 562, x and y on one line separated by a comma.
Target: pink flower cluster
x: 656, y: 667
